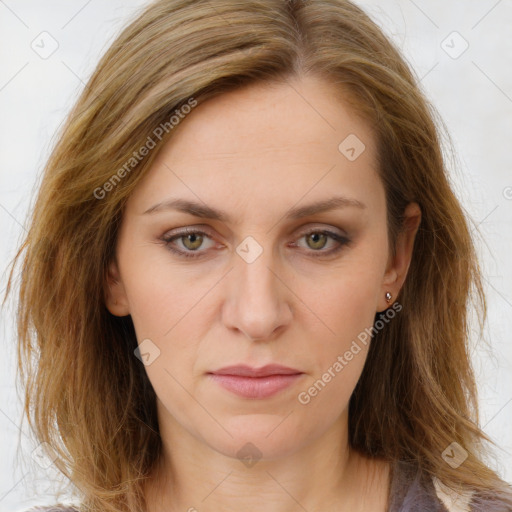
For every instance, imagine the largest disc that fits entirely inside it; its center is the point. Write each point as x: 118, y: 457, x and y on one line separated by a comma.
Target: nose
x: 258, y: 302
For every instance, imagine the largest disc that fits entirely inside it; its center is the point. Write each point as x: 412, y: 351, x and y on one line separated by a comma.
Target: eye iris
x: 315, y: 237
x: 194, y: 239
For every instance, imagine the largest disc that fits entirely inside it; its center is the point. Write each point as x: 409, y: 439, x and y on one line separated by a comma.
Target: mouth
x: 255, y: 383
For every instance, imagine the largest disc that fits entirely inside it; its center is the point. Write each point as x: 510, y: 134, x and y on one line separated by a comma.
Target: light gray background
x: 472, y: 92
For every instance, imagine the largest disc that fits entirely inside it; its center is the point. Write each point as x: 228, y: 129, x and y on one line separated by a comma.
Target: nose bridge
x: 257, y: 304
x: 257, y: 280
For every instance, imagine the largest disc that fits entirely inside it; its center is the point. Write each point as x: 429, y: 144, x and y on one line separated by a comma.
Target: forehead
x: 266, y: 142
x: 262, y: 117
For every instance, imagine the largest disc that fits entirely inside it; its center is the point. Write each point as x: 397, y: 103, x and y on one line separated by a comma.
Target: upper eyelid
x: 205, y: 230
x: 168, y: 238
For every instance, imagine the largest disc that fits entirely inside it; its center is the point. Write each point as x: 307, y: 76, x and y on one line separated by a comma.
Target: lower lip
x: 255, y: 387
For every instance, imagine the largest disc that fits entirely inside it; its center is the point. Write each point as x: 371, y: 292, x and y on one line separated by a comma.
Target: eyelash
x: 342, y: 241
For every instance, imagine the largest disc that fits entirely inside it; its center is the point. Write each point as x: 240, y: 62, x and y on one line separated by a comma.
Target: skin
x: 255, y: 153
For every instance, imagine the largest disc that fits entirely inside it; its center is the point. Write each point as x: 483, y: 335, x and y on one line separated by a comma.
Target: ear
x: 115, y: 295
x: 398, y: 265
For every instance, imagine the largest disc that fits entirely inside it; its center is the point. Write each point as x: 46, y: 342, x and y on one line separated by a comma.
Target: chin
x: 258, y: 437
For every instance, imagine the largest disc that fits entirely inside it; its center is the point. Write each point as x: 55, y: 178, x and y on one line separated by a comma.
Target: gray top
x: 410, y: 491
x: 413, y: 491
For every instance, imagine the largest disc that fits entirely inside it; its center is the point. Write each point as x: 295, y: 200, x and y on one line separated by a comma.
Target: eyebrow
x: 202, y: 210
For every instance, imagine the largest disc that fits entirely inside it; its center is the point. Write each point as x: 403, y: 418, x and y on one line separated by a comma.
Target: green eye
x: 319, y: 240
x: 192, y: 241
x: 316, y: 240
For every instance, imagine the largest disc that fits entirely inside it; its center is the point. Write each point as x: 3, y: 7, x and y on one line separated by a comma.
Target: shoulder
x: 453, y: 501
x: 411, y: 490
x: 471, y: 501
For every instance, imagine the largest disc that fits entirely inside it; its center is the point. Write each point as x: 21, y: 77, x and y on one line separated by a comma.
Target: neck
x: 325, y: 474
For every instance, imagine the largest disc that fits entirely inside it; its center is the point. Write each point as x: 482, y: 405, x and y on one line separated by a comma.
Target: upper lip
x: 242, y: 370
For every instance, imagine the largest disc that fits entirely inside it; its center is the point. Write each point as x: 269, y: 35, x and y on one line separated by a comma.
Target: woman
x: 248, y: 275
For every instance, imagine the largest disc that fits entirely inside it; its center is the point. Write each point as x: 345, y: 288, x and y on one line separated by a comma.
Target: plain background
x: 459, y: 49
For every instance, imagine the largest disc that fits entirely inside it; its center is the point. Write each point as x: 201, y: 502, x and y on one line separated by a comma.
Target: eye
x: 191, y: 241
x: 188, y: 242
x: 318, y: 239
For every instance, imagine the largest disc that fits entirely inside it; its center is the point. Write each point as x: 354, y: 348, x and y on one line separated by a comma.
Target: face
x: 252, y: 274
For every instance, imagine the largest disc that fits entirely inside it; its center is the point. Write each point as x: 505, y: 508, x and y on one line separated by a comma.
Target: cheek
x: 165, y: 306
x: 346, y: 299
x: 348, y: 309
x: 346, y: 304
x: 161, y: 296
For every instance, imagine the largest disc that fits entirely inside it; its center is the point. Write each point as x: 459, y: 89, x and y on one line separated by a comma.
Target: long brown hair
x: 86, y: 394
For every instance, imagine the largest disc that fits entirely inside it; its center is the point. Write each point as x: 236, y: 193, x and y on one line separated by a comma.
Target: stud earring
x: 388, y: 297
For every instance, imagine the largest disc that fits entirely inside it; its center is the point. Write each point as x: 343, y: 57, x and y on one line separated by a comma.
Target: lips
x: 255, y: 383
x: 265, y: 371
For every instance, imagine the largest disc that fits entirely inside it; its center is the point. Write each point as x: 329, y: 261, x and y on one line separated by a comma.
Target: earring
x: 388, y: 296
